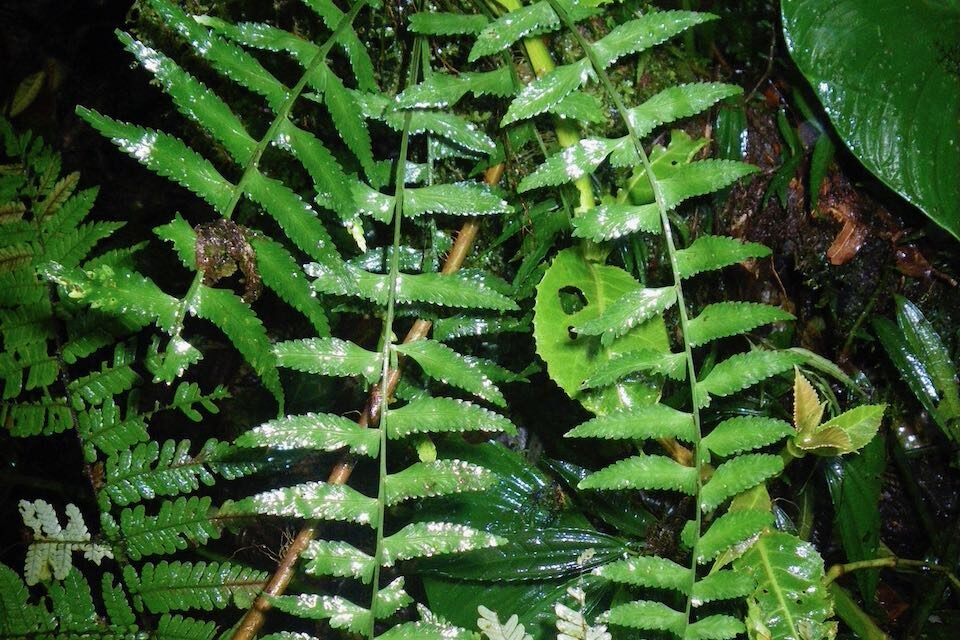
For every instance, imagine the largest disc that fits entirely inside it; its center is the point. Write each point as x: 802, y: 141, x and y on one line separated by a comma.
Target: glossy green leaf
x: 194, y: 100
x: 925, y: 364
x: 176, y: 586
x: 453, y: 290
x: 890, y: 89
x: 723, y: 319
x: 442, y: 363
x: 547, y: 553
x: 443, y: 90
x: 736, y: 476
x: 729, y: 530
x: 463, y: 199
x: 627, y: 311
x: 427, y: 539
x: 338, y: 559
x: 570, y: 164
x: 790, y: 600
x: 166, y: 156
x: 434, y: 415
x: 318, y: 500
x: 644, y: 472
x: 646, y: 423
x: 611, y: 221
x: 446, y: 24
x: 672, y: 365
x: 648, y: 571
x: 855, y: 483
x: 329, y: 179
x: 744, y: 370
x: 675, y: 103
x: 645, y: 32
x: 546, y: 92
x: 437, y: 478
x: 245, y: 330
x: 449, y: 126
x: 349, y: 41
x: 571, y: 359
x: 148, y: 470
x: 297, y: 218
x: 329, y: 357
x: 321, y: 431
x: 848, y: 432
x: 526, y: 21
x: 281, y: 273
x: 745, y: 433
x: 708, y: 253
x: 226, y: 58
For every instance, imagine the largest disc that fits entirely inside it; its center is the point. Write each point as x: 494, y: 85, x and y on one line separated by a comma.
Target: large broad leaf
x: 790, y: 601
x: 885, y: 74
x: 571, y: 282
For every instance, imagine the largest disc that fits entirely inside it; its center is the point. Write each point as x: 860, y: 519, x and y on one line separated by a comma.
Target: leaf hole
x: 572, y: 300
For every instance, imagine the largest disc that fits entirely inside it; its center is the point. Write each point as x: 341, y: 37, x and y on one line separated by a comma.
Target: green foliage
x: 330, y: 170
x: 877, y: 107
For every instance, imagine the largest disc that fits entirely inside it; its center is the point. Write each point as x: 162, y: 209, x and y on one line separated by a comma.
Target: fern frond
x: 317, y: 500
x: 489, y: 623
x: 736, y: 476
x: 179, y: 524
x: 675, y: 103
x: 442, y: 363
x: 644, y: 472
x: 647, y: 615
x: 338, y: 559
x: 329, y: 357
x: 177, y: 586
x: 672, y: 365
x: 446, y: 24
x: 647, y: 423
x: 281, y: 273
x: 108, y: 430
x: 745, y: 433
x: 323, y: 431
x: 245, y: 330
x: 17, y: 616
x: 744, y: 370
x: 437, y: 478
x: 149, y: 470
x: 341, y: 613
x: 437, y: 415
x: 729, y: 530
x: 177, y: 627
x: 708, y: 253
x: 647, y: 571
x: 50, y: 554
x: 427, y: 539
x: 454, y: 290
x: 724, y: 319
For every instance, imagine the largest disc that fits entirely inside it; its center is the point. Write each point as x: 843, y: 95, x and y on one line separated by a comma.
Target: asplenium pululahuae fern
x: 607, y: 352
x: 215, y: 250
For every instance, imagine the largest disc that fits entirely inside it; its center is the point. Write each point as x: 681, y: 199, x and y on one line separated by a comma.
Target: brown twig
x: 254, y: 618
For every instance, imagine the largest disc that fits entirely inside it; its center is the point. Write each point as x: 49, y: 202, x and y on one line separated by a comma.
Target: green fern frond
x: 427, y: 539
x: 317, y: 500
x: 179, y: 524
x: 446, y: 24
x: 708, y: 253
x: 644, y: 472
x: 736, y: 476
x: 436, y: 478
x: 324, y: 431
x: 329, y: 357
x: 106, y: 428
x: 449, y: 367
x: 338, y: 559
x: 437, y: 415
x: 647, y: 423
x: 177, y: 586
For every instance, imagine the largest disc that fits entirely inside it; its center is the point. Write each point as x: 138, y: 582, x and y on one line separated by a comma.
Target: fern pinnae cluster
x: 732, y: 445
